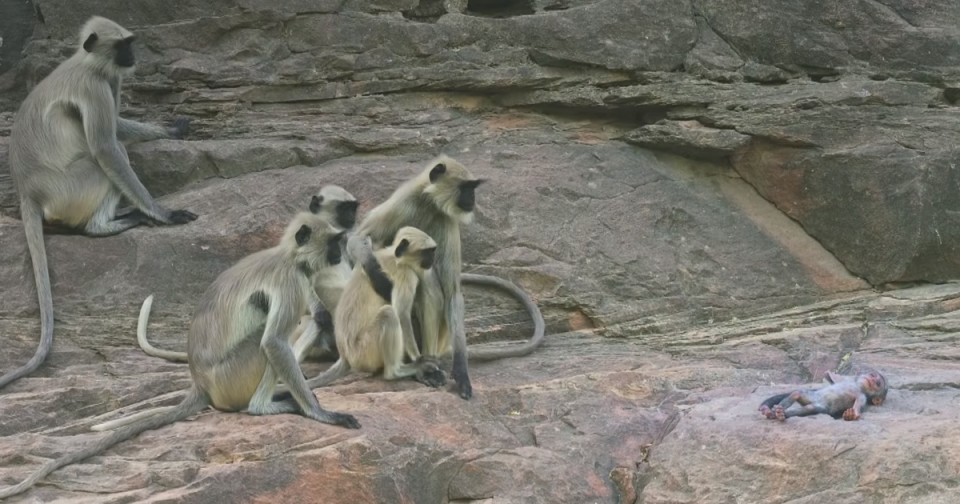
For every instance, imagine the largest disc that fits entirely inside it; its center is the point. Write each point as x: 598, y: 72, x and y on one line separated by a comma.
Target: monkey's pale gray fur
x: 238, y: 343
x: 338, y: 207
x: 374, y: 333
x: 437, y: 201
x: 67, y: 162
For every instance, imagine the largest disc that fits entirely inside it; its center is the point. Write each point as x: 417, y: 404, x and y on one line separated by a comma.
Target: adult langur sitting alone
x: 68, y: 163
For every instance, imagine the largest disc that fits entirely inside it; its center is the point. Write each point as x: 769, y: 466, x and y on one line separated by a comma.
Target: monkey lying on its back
x: 845, y: 398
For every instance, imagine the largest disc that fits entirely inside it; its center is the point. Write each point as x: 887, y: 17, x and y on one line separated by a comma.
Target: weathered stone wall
x: 700, y: 195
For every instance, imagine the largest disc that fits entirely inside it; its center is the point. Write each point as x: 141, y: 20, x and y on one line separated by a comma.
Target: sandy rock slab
x: 544, y: 429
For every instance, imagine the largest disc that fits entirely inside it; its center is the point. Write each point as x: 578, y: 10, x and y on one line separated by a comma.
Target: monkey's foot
x: 182, y: 216
x: 137, y: 217
x: 778, y: 413
x: 767, y: 412
x: 851, y: 414
x: 429, y: 372
x: 435, y: 378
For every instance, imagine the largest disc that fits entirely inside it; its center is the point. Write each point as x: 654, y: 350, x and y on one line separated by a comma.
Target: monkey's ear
x: 315, y: 203
x: 435, y: 173
x: 303, y: 235
x: 90, y: 42
x: 402, y: 247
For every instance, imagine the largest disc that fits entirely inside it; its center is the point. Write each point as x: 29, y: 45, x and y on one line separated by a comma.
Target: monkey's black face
x: 347, y: 214
x: 334, y: 255
x: 123, y: 53
x: 427, y: 258
x: 467, y: 200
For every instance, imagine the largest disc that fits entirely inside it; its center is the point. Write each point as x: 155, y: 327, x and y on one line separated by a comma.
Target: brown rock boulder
x: 699, y: 194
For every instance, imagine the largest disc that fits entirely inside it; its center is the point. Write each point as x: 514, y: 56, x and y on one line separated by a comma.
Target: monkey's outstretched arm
x: 280, y: 323
x: 854, y: 412
x: 99, y: 125
x: 133, y: 131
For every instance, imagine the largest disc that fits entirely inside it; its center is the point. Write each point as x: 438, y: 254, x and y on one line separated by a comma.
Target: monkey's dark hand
x: 464, y: 388
x: 323, y: 319
x: 851, y: 414
x: 180, y: 128
x: 181, y: 217
x: 429, y: 372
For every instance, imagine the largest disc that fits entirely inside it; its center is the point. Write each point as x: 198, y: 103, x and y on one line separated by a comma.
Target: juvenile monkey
x: 373, y: 322
x: 437, y: 201
x: 845, y: 398
x: 337, y: 207
x: 68, y: 163
x: 238, y: 341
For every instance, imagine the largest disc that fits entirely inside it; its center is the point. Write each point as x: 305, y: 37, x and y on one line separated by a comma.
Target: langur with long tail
x: 437, y: 202
x: 313, y: 336
x: 373, y: 321
x: 68, y: 162
x: 238, y: 343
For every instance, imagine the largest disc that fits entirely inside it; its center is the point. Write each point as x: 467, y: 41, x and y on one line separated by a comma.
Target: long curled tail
x: 149, y: 349
x: 195, y: 402
x: 485, y: 354
x: 32, y: 217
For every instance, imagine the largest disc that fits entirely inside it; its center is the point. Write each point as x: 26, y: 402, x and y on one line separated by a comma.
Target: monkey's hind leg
x: 262, y: 403
x: 766, y: 408
x: 83, y: 198
x: 103, y: 223
x: 424, y: 370
x: 801, y: 397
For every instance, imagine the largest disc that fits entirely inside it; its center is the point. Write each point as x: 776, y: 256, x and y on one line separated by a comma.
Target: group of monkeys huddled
x: 353, y: 290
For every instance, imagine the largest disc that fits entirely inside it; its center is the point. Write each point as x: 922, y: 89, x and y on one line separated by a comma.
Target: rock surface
x: 700, y: 194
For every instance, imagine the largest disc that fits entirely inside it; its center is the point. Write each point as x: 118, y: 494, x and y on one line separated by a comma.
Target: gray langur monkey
x: 339, y: 208
x: 437, y: 201
x: 68, y: 163
x: 238, y: 342
x: 316, y: 338
x: 373, y: 322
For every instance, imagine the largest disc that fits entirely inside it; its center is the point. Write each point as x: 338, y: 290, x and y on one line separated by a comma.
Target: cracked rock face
x: 700, y: 195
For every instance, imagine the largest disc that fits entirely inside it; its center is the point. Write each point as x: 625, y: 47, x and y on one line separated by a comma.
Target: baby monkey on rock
x: 845, y: 398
